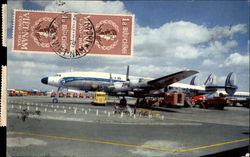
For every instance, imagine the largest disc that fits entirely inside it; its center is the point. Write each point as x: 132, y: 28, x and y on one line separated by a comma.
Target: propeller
x: 127, y: 75
x: 110, y: 79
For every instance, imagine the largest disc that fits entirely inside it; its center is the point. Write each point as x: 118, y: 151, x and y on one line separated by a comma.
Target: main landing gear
x: 123, y: 107
x: 123, y: 102
x: 141, y: 102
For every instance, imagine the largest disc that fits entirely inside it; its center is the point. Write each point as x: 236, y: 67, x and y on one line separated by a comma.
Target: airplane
x: 114, y: 84
x: 209, y: 86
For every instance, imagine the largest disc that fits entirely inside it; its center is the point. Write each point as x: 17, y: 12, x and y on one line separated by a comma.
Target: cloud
x: 219, y: 32
x: 236, y: 59
x: 184, y: 40
x: 174, y: 39
x: 217, y: 48
x: 115, y: 7
x: 208, y: 62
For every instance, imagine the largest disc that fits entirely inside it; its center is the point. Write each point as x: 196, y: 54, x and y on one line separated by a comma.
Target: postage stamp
x: 3, y: 107
x: 72, y: 35
x: 4, y: 25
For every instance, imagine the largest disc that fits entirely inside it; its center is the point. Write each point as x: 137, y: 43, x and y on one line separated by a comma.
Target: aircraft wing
x: 147, y: 87
x: 172, y: 78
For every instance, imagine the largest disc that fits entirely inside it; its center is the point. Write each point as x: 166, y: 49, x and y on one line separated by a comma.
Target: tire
x: 55, y: 100
x: 123, y: 102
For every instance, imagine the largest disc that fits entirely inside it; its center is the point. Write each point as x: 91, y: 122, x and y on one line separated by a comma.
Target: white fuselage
x: 93, y: 81
x: 90, y: 81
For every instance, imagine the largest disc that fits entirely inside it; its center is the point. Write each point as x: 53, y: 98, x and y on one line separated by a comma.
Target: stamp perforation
x: 3, y: 107
x: 4, y: 25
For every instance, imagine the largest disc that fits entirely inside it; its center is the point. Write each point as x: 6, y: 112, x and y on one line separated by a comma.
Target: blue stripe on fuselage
x: 70, y: 79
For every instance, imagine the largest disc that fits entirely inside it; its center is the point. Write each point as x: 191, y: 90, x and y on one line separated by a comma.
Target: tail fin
x: 194, y: 81
x: 211, y: 80
x: 230, y: 83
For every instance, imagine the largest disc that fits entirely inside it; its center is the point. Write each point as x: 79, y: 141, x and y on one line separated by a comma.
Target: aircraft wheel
x: 143, y: 103
x: 123, y: 102
x: 55, y: 100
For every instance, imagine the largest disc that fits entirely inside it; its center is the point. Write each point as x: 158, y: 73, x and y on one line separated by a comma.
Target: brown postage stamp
x: 3, y: 102
x: 72, y: 35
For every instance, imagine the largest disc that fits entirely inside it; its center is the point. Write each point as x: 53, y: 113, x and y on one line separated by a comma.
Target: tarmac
x: 73, y: 127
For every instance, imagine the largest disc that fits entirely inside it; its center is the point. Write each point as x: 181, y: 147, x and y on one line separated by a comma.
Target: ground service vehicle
x: 12, y: 93
x: 53, y: 94
x: 61, y: 94
x: 68, y: 95
x: 100, y: 98
x: 75, y: 95
x: 80, y: 95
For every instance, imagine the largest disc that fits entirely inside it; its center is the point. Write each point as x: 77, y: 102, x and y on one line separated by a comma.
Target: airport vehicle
x: 193, y: 99
x: 68, y: 95
x: 100, y: 98
x: 215, y: 102
x: 114, y: 84
x: 12, y: 92
x: 61, y: 94
x: 53, y: 94
x: 75, y: 95
x: 87, y: 95
x: 237, y: 98
x: 80, y: 95
x: 173, y: 99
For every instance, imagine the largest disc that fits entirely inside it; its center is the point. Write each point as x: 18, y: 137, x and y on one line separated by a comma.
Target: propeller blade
x: 127, y: 75
x: 110, y: 78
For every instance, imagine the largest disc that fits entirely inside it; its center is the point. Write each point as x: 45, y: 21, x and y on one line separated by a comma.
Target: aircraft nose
x: 44, y: 80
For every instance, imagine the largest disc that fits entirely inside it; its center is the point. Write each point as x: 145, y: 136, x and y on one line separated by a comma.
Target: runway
x: 74, y: 127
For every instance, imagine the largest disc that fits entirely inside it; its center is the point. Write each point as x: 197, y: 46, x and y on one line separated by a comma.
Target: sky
x: 169, y: 36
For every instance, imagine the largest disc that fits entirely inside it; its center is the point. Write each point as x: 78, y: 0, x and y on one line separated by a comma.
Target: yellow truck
x: 100, y: 98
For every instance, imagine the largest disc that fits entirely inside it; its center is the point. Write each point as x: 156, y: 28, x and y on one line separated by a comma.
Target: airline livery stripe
x: 70, y: 79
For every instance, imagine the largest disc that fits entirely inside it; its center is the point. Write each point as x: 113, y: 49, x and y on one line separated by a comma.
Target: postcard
x: 126, y: 78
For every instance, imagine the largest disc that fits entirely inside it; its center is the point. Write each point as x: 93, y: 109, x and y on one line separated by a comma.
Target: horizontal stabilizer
x: 230, y: 85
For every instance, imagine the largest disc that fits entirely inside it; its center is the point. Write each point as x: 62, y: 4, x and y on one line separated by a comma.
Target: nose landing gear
x: 55, y: 100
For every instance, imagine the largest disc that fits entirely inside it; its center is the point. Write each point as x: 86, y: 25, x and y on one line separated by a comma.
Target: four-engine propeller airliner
x: 114, y: 84
x: 125, y: 85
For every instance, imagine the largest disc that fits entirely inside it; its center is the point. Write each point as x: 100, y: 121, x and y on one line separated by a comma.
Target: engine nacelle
x: 120, y: 87
x: 131, y: 93
x: 139, y: 85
